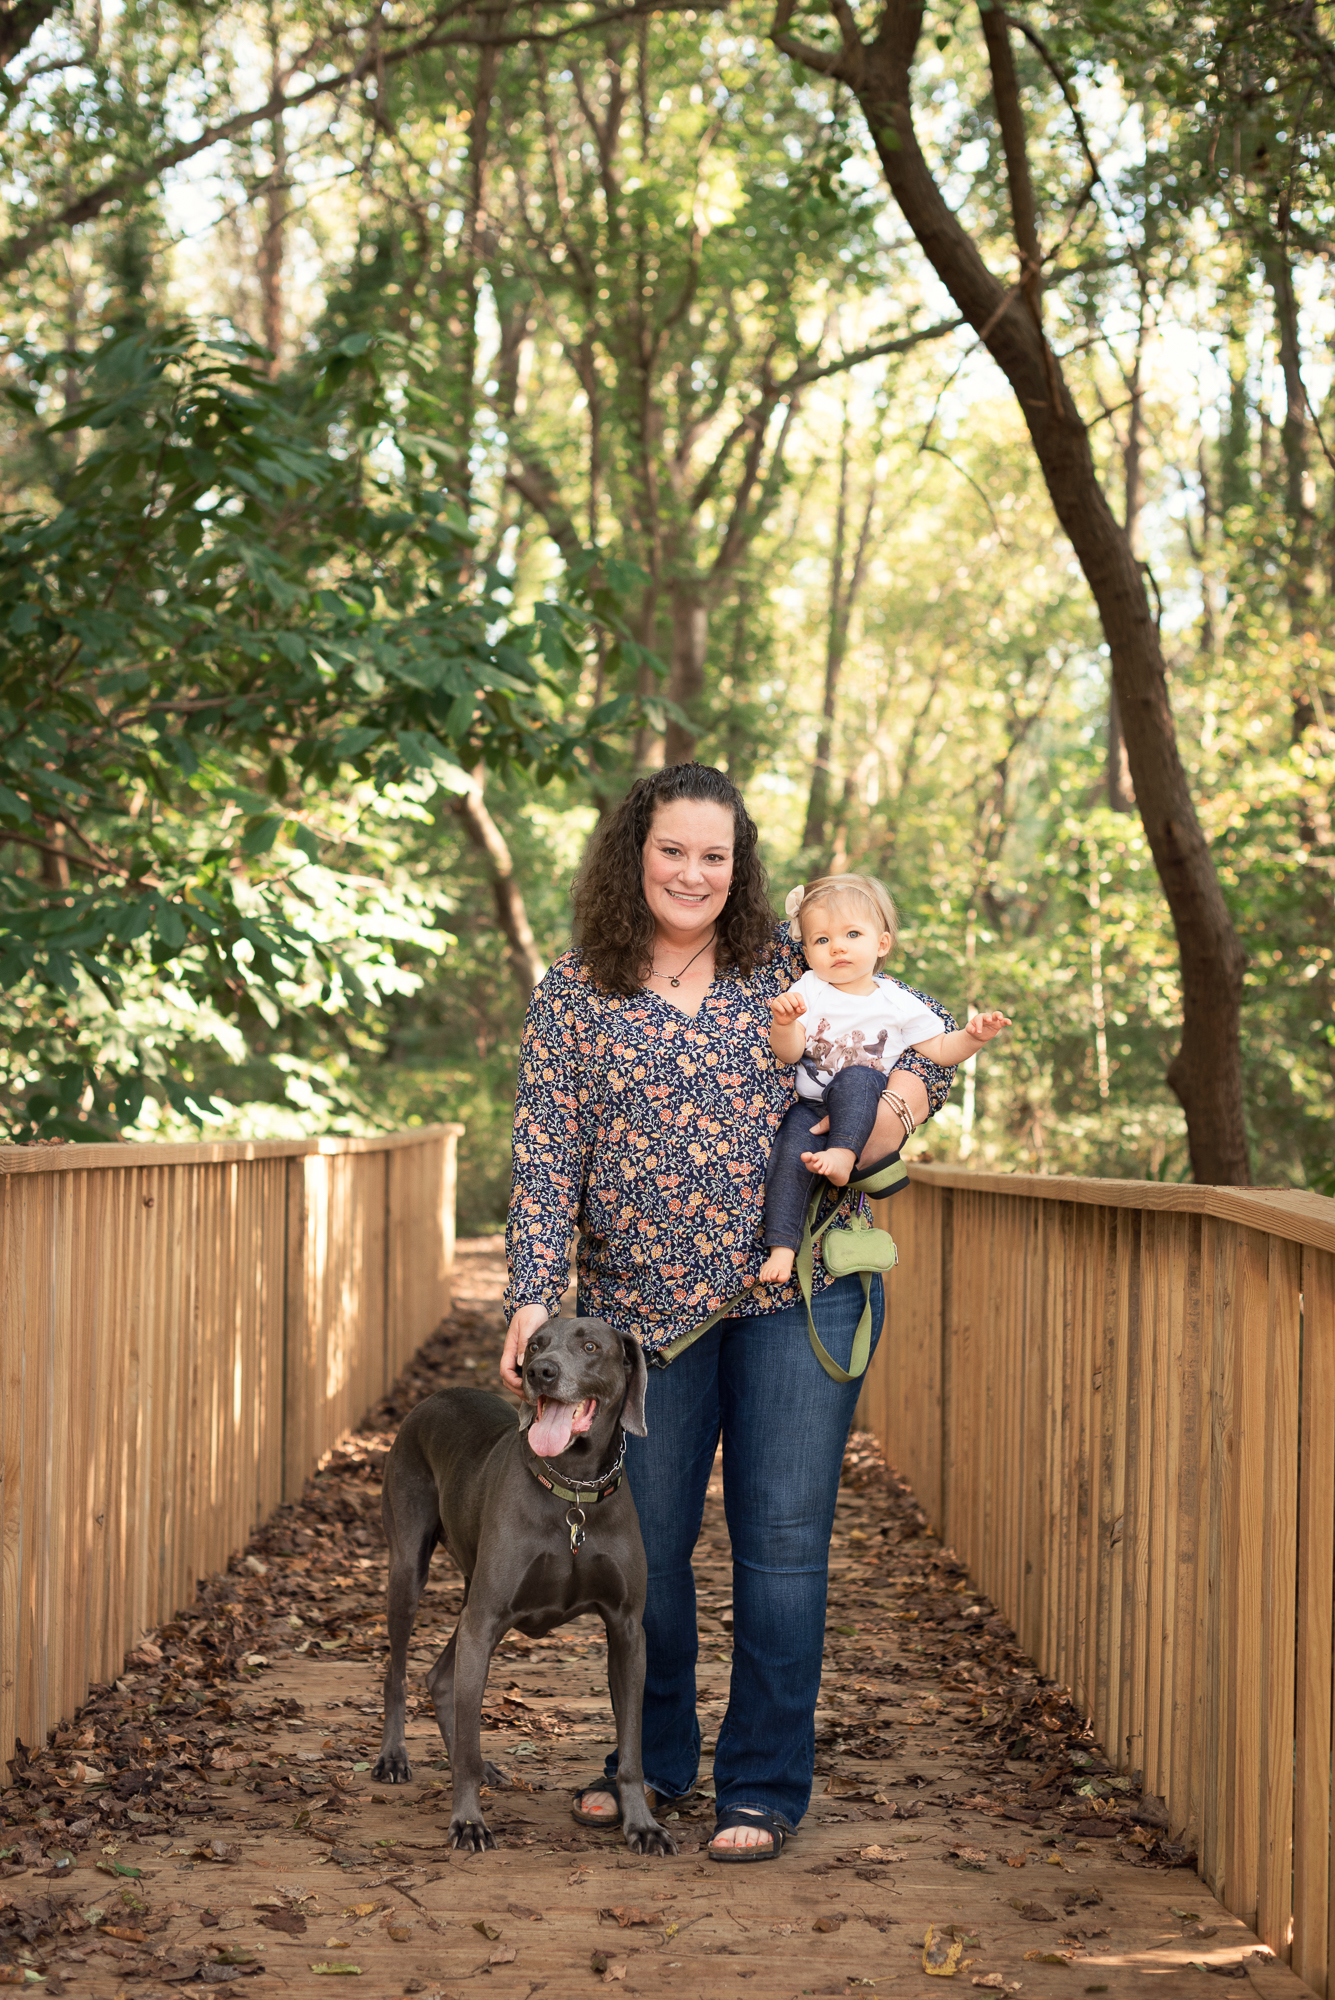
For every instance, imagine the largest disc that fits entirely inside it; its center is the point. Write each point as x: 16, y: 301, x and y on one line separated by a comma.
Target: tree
x: 1206, y: 1073
x: 237, y: 609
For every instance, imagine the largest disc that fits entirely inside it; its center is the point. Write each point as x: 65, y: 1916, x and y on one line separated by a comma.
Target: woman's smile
x: 687, y: 871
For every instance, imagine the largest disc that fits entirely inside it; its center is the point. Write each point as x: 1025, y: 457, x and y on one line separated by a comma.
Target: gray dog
x: 535, y: 1514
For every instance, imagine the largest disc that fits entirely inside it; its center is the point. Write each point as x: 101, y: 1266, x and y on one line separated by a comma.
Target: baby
x: 857, y: 1027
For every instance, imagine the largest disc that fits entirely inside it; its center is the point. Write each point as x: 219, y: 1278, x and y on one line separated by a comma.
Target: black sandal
x: 764, y: 1822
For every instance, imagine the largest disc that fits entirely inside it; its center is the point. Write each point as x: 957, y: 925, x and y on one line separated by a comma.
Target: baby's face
x: 842, y: 944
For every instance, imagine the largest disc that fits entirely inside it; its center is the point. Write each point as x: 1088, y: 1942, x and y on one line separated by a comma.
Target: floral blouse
x: 648, y: 1132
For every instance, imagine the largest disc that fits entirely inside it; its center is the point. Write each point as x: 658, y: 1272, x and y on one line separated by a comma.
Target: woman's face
x: 688, y: 864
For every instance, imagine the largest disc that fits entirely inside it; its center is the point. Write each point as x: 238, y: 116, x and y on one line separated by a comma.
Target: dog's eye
x: 590, y: 1347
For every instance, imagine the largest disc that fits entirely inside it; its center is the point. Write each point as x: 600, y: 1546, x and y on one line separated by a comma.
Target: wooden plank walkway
x: 920, y: 1817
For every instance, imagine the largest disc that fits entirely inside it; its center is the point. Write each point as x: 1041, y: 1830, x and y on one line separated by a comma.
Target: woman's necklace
x: 675, y: 978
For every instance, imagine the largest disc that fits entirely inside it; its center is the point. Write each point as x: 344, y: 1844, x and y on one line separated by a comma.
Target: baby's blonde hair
x: 864, y: 889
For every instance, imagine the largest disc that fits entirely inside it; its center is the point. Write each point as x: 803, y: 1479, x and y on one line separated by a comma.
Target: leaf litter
x: 147, y: 1755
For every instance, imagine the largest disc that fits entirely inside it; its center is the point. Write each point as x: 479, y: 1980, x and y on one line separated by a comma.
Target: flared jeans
x: 784, y: 1422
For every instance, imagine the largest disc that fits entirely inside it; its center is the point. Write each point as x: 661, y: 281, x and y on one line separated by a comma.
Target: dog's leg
x: 409, y: 1561
x: 440, y: 1686
x: 475, y: 1639
x: 625, y: 1680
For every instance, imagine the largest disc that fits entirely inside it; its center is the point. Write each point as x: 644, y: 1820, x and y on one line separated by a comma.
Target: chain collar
x: 575, y: 1490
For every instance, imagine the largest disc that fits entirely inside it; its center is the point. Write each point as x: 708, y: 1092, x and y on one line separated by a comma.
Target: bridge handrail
x: 57, y: 1159
x: 1293, y: 1213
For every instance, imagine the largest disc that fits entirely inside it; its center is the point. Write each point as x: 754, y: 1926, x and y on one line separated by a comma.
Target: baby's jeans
x: 851, y: 1098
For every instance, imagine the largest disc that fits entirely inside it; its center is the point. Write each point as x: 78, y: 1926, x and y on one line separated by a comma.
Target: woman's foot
x: 747, y: 1833
x: 777, y: 1268
x: 836, y: 1164
x: 740, y: 1837
x: 599, y: 1805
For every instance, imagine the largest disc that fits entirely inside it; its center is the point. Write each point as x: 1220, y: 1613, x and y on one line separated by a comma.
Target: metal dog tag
x: 575, y: 1523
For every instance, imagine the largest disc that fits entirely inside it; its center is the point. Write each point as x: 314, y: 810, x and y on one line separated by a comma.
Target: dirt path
x: 212, y: 1818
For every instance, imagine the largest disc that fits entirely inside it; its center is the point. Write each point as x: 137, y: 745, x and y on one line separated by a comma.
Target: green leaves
x: 234, y: 608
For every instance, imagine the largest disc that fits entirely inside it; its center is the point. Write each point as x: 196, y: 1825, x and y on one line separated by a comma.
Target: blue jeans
x: 784, y: 1424
x: 851, y: 1099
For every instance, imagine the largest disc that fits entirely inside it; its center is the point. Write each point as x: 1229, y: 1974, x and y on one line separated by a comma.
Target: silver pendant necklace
x: 675, y: 978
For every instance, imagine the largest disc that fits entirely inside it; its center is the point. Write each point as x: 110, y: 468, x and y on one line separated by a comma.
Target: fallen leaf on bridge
x: 291, y: 1922
x: 942, y: 1954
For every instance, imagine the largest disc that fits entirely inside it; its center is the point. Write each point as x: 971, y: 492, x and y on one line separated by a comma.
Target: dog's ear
x: 632, y: 1410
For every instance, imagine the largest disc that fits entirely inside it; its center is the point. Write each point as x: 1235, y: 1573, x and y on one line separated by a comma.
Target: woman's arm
x: 549, y: 1168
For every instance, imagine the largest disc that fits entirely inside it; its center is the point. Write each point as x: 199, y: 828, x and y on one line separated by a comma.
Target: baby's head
x: 841, y: 895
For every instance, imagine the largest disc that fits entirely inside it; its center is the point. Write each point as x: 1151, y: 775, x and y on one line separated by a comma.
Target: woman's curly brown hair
x: 613, y: 926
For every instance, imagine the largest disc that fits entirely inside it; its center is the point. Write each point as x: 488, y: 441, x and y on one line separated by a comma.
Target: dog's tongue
x: 551, y: 1429
x: 556, y: 1423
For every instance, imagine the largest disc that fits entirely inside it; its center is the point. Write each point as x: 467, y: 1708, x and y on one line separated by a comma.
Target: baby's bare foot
x: 836, y: 1164
x: 777, y: 1268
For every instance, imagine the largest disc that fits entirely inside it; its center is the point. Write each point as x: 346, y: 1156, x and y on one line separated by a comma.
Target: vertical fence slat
x: 1278, y: 1599
x: 1312, y: 1854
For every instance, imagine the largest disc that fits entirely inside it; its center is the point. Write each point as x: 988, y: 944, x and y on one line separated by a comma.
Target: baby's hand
x: 983, y: 1026
x: 787, y: 1007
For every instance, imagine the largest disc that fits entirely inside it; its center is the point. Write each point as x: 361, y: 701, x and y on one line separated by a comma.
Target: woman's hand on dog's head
x: 518, y: 1335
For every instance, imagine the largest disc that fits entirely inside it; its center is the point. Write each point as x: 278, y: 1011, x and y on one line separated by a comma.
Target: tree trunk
x: 686, y: 673
x: 1206, y: 1073
x: 526, y: 962
x: 844, y: 594
x: 274, y: 211
x: 1121, y: 791
x: 1293, y: 446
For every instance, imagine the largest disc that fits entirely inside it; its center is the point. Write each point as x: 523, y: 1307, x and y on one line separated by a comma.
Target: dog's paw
x: 650, y: 1839
x: 392, y: 1768
x: 473, y: 1835
x: 493, y: 1775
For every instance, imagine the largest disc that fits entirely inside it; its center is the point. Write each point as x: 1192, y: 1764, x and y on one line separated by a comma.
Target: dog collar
x: 579, y: 1493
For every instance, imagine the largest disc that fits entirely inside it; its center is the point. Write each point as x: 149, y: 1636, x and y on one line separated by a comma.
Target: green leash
x: 857, y: 1247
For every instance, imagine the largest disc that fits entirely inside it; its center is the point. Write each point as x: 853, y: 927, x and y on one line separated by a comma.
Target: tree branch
x: 19, y: 248
x: 901, y: 344
x: 19, y: 23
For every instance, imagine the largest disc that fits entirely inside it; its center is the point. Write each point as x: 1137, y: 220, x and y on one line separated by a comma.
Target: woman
x: 647, y: 1102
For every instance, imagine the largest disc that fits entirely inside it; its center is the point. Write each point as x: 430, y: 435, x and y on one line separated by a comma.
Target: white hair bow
x: 793, y: 900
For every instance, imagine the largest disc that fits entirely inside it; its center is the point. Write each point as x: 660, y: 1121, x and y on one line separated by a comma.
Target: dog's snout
x: 543, y: 1368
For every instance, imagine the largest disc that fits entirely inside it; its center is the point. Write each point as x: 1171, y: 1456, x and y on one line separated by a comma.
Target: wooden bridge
x: 1114, y: 1399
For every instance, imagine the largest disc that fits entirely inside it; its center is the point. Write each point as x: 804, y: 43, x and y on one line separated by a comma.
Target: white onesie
x: 858, y: 1030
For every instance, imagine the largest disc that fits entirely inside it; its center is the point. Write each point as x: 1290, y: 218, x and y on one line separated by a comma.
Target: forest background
x: 418, y: 421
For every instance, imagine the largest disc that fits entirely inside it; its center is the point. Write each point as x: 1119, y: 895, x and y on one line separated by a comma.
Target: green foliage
x: 537, y: 305
x: 249, y: 598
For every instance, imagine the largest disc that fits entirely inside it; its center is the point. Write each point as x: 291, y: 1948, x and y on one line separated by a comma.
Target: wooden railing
x: 1116, y: 1402
x: 184, y: 1330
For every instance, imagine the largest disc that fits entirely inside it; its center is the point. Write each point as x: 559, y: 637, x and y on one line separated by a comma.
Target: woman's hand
x: 518, y: 1335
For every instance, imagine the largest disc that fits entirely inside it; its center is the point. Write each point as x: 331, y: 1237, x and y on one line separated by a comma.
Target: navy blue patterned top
x: 649, y: 1133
